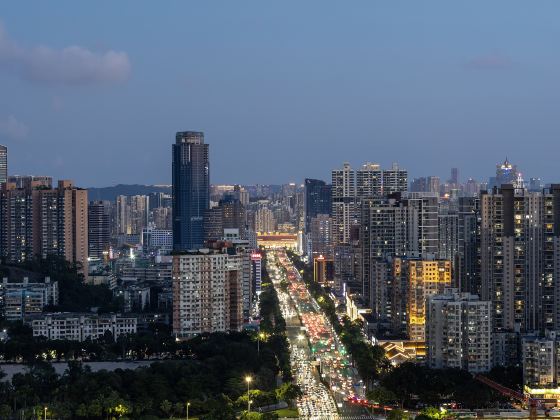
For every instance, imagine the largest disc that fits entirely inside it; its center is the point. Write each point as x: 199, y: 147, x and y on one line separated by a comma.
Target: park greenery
x: 208, y: 372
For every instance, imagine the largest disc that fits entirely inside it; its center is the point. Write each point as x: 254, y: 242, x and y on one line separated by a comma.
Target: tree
x: 397, y: 415
x: 166, y: 407
x: 288, y: 392
x: 381, y: 395
x: 178, y: 409
x: 432, y: 413
x: 5, y: 411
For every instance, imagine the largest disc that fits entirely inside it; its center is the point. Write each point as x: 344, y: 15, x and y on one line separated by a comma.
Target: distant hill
x: 111, y: 193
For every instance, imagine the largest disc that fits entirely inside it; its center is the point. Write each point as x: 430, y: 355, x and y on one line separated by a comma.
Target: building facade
x: 191, y: 189
x: 80, y: 327
x: 207, y: 292
x: 459, y: 332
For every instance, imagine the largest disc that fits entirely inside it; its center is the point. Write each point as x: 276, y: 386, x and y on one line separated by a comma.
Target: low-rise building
x: 18, y: 299
x: 541, y: 365
x: 80, y: 327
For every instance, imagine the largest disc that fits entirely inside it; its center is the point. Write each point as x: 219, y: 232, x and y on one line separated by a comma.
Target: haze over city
x: 286, y: 90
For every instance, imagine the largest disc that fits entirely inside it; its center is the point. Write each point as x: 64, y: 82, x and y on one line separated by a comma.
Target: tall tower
x: 191, y: 189
x: 3, y: 164
x: 317, y: 200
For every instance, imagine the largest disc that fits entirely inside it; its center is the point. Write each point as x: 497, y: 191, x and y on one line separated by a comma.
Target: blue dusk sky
x: 95, y: 90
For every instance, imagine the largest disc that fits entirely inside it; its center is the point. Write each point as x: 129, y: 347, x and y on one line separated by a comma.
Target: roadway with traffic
x: 321, y: 364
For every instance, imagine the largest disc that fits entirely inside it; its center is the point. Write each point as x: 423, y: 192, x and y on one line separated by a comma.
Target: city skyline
x: 417, y: 79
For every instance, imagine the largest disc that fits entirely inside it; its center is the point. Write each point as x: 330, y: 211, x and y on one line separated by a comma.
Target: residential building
x: 133, y: 214
x: 207, y: 291
x: 99, y: 229
x: 37, y: 220
x: 320, y: 236
x: 81, y: 327
x: 459, y: 332
x: 425, y: 278
x: 520, y: 233
x: 541, y: 366
x: 19, y: 299
x: 264, y: 220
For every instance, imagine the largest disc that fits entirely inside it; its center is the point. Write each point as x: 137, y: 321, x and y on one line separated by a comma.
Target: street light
x: 45, y: 413
x: 260, y: 336
x: 248, y: 379
x: 188, y: 405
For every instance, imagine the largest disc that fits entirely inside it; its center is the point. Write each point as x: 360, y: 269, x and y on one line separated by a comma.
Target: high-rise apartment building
x: 344, y: 203
x: 44, y: 221
x: 448, y: 242
x: 425, y: 278
x: 459, y: 332
x: 433, y: 184
x: 99, y: 229
x: 317, y: 200
x: 321, y: 242
x: 265, y: 220
x: 3, y: 164
x: 395, y: 180
x: 369, y: 181
x: 233, y: 215
x: 207, y: 292
x: 191, y: 189
x: 132, y: 214
x: 467, y: 268
x: 520, y: 233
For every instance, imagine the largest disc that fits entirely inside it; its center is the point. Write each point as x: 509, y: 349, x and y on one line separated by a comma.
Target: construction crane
x: 532, y: 403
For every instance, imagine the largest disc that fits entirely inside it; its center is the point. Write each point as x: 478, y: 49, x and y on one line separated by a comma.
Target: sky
x: 95, y: 90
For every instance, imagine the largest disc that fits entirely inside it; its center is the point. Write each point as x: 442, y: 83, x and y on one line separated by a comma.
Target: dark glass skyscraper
x: 317, y: 200
x: 191, y: 189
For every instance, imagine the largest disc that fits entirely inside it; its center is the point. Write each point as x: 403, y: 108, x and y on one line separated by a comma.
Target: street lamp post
x: 45, y: 413
x: 260, y: 336
x: 248, y: 379
x: 188, y: 405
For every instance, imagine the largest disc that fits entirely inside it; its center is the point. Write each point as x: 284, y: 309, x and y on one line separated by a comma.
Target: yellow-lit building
x: 277, y: 240
x: 400, y: 351
x: 425, y: 278
x: 319, y: 269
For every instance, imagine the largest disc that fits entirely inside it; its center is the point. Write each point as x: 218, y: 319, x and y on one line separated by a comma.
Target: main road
x: 321, y: 364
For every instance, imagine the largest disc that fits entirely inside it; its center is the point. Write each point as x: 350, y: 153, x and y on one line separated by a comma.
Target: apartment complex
x: 40, y: 220
x: 425, y: 278
x: 80, y: 327
x: 20, y: 299
x: 207, y: 292
x: 458, y: 332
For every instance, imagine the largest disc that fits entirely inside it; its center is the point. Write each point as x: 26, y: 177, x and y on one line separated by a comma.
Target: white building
x: 79, y: 327
x: 24, y: 298
x: 458, y: 332
x: 207, y: 292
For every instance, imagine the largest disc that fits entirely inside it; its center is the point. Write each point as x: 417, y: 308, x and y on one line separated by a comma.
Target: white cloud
x: 12, y: 128
x: 70, y: 65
